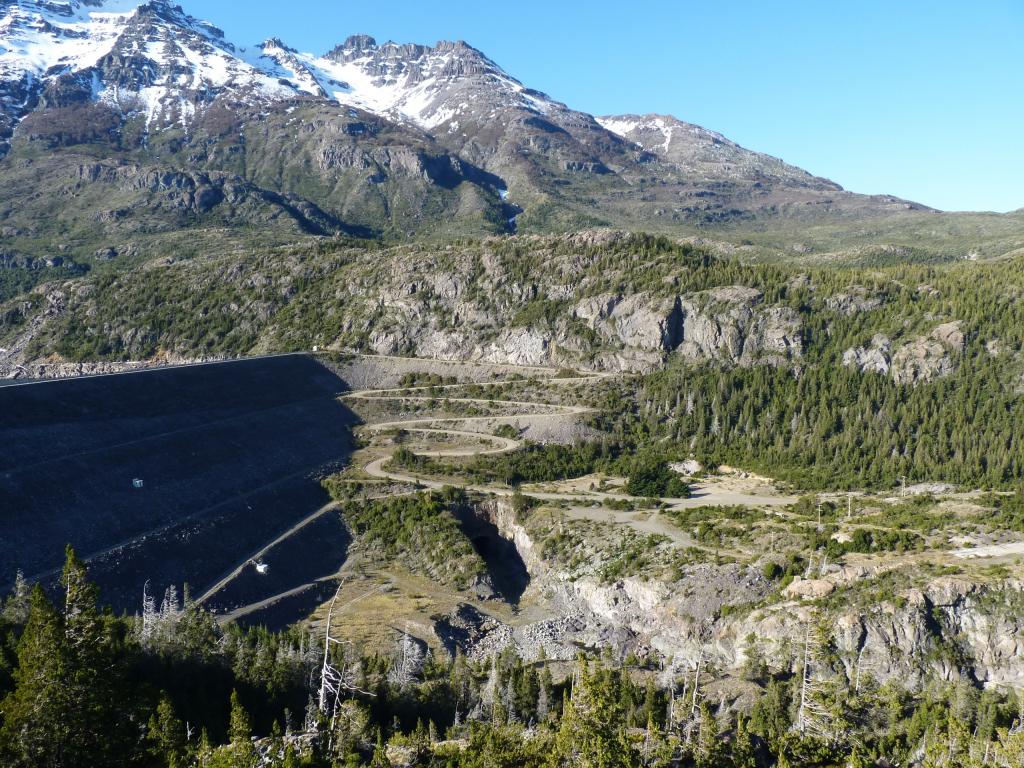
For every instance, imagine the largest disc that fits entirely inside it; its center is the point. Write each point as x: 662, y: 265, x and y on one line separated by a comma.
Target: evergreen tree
x: 102, y: 711
x: 167, y: 736
x: 70, y: 706
x: 37, y: 730
x: 15, y: 610
x: 500, y: 747
x: 592, y: 731
x: 743, y: 755
x: 380, y: 754
x: 710, y: 751
x: 243, y: 753
x: 770, y: 717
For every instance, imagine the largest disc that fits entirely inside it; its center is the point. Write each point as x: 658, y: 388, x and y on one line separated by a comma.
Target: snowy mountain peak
x: 408, y: 82
x: 153, y: 57
x: 357, y: 43
x: 147, y: 57
x: 38, y: 37
x: 704, y: 154
x: 392, y: 61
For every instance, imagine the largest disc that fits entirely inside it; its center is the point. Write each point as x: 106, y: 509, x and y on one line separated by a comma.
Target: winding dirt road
x: 580, y: 503
x: 704, y: 494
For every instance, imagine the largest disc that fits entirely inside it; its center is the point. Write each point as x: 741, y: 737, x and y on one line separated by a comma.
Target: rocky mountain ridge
x: 485, y: 303
x: 706, y: 154
x: 386, y: 140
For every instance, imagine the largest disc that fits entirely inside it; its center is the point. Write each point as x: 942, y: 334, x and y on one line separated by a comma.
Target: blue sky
x: 920, y: 99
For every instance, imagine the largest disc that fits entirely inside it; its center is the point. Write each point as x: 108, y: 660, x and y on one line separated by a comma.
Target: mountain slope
x: 387, y: 140
x: 704, y: 154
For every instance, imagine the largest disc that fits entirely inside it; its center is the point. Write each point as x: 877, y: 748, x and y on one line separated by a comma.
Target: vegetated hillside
x: 851, y: 375
x: 228, y: 456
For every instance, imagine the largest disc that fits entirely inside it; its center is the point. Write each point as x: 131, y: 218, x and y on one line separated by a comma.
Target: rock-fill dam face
x: 166, y: 476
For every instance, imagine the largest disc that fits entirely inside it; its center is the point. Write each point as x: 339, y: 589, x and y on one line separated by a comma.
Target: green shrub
x: 653, y: 478
x: 772, y: 571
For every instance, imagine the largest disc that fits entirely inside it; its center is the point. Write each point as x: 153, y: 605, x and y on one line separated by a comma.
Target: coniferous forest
x: 82, y: 687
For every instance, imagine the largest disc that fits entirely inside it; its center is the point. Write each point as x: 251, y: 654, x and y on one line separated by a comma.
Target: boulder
x: 810, y: 589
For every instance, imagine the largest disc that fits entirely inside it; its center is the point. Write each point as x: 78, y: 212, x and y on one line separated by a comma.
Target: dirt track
x: 704, y: 494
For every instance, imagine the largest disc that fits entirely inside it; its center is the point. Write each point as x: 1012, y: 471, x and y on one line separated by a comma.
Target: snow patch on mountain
x: 399, y: 82
x: 38, y: 38
x: 351, y: 84
x: 155, y: 57
x: 636, y: 129
x: 619, y: 126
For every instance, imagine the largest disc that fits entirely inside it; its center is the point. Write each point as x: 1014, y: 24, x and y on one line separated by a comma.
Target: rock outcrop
x: 639, y: 320
x: 918, y: 361
x: 874, y: 358
x: 853, y: 302
x: 733, y: 325
x: 949, y: 628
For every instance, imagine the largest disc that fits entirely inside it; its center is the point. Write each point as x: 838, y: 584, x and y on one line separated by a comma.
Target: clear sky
x: 924, y: 100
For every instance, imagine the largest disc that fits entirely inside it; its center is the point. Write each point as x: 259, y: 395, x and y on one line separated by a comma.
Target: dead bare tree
x: 334, y: 680
x: 812, y: 716
x: 694, y: 717
x: 408, y: 663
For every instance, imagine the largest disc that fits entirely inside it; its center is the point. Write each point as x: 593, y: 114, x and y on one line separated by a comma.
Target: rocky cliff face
x: 916, y: 361
x: 733, y: 324
x: 528, y: 301
x: 434, y: 312
x: 947, y: 628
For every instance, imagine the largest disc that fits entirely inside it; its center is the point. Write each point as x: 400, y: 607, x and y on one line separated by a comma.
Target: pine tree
x: 243, y: 753
x: 592, y: 732
x: 16, y: 609
x: 167, y: 735
x: 204, y: 751
x: 69, y: 706
x: 709, y: 752
x: 380, y: 754
x: 102, y: 711
x: 743, y: 755
x: 36, y: 730
x: 82, y: 621
x: 544, y: 694
x: 770, y: 718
